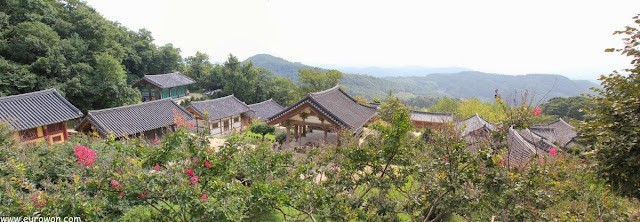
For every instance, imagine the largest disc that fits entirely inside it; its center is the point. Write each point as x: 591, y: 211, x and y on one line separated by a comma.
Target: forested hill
x: 277, y: 65
x: 69, y: 46
x: 483, y: 85
x: 458, y: 85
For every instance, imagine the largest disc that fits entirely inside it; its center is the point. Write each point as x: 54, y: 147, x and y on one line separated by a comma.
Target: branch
x: 163, y: 214
x: 433, y: 205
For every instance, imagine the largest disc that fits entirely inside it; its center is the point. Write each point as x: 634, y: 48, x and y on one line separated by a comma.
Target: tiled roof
x: 265, y: 109
x: 557, y: 131
x: 431, y: 117
x: 221, y: 107
x: 165, y: 81
x: 138, y: 118
x: 29, y: 110
x: 536, y: 140
x: 337, y: 105
x: 472, y: 124
x: 520, y: 150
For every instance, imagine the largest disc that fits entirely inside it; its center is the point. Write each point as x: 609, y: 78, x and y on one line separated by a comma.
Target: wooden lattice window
x: 29, y: 134
x: 54, y: 128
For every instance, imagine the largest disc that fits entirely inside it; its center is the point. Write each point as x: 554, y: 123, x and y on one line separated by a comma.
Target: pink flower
x: 116, y: 184
x: 228, y: 157
x: 157, y: 167
x: 195, y: 160
x: 220, y: 157
x: 189, y: 172
x: 553, y: 151
x: 119, y: 170
x: 583, y: 160
x: 143, y: 194
x: 85, y: 156
x: 155, y: 140
x: 536, y: 111
x: 445, y: 158
x: 122, y: 194
x: 207, y: 164
x: 204, y: 198
x: 194, y: 180
x: 180, y: 122
x: 38, y: 200
x: 190, y: 125
x: 501, y: 163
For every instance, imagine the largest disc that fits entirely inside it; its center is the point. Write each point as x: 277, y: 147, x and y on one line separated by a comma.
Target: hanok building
x: 222, y: 115
x: 161, y: 86
x: 149, y: 120
x: 521, y: 151
x: 38, y: 116
x: 331, y: 110
x: 475, y: 129
x: 558, y: 132
x: 432, y: 120
x: 265, y: 109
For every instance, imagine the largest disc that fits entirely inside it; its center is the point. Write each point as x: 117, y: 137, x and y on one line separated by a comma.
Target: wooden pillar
x: 288, y: 133
x: 64, y: 130
x: 295, y: 131
x: 45, y: 134
x: 325, y: 134
x: 338, y: 131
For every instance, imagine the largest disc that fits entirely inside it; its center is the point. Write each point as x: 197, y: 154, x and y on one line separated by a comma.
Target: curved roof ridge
x: 326, y: 90
x: 25, y: 95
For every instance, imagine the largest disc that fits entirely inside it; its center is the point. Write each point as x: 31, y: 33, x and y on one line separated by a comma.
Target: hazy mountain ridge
x: 396, y: 71
x: 464, y: 84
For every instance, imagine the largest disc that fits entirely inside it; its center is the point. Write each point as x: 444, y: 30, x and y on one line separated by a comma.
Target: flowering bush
x: 85, y: 156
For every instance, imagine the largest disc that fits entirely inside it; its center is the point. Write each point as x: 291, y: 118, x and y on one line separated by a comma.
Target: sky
x: 565, y: 37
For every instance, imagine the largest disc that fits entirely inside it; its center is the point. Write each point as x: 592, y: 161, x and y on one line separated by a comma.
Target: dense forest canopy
x: 69, y: 46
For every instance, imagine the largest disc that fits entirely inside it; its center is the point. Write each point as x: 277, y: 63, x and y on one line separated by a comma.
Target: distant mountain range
x: 396, y: 71
x: 461, y: 84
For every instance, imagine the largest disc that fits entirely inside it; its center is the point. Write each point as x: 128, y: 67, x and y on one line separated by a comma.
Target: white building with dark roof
x: 222, y: 115
x: 38, y: 116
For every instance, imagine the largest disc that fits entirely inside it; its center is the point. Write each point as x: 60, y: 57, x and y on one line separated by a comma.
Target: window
x: 237, y: 119
x: 56, y: 139
x: 29, y: 134
x: 54, y: 128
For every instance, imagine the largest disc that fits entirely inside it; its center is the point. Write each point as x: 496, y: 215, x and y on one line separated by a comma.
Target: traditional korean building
x: 331, y: 110
x: 265, y: 109
x: 221, y: 115
x: 39, y: 116
x: 475, y: 129
x: 161, y: 86
x: 432, y: 120
x: 148, y: 120
x: 558, y: 132
x: 520, y: 149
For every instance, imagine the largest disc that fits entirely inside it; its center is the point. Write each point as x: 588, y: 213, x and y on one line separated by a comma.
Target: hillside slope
x: 465, y: 84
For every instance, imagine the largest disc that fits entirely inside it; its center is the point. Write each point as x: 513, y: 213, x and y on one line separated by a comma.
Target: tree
x: 199, y: 68
x: 612, y: 126
x: 315, y: 80
x: 262, y: 129
x: 283, y: 91
x: 567, y: 108
x: 446, y: 104
x: 239, y: 79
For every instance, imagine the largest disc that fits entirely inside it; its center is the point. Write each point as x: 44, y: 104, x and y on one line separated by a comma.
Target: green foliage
x: 201, y: 70
x: 315, y: 80
x: 262, y: 129
x: 566, y: 108
x: 612, y: 127
x: 69, y: 46
x: 445, y: 105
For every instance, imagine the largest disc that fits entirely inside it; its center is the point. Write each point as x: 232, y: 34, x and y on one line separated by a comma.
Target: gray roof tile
x: 221, y: 107
x: 520, y: 150
x: 265, y: 109
x: 138, y: 118
x: 336, y: 104
x: 472, y: 124
x: 29, y: 110
x: 165, y: 81
x: 431, y: 117
x: 557, y: 131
